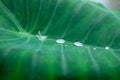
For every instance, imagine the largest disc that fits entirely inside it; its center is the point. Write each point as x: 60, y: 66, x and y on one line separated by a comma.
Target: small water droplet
x: 94, y: 48
x: 60, y: 41
x: 42, y: 38
x: 107, y: 47
x: 78, y: 44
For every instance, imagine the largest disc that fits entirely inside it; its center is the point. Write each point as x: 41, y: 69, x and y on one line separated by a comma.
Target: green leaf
x: 90, y: 31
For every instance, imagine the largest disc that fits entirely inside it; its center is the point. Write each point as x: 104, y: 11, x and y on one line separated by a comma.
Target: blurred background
x: 111, y: 4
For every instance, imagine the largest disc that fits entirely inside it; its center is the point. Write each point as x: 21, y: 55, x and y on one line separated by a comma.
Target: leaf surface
x: 24, y: 56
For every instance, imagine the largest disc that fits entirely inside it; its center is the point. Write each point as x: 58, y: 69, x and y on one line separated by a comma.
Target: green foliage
x: 23, y: 56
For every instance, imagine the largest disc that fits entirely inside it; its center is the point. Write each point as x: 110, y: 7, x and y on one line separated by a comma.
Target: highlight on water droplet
x: 107, y: 48
x: 60, y: 41
x: 78, y: 44
x: 94, y: 48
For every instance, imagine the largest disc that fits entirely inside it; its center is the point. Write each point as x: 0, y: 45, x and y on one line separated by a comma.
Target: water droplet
x: 42, y: 38
x: 60, y: 41
x: 94, y: 48
x: 78, y: 44
x: 107, y: 47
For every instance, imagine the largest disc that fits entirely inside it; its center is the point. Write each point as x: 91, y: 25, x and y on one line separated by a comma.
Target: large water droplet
x: 78, y: 44
x: 60, y: 41
x: 107, y: 48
